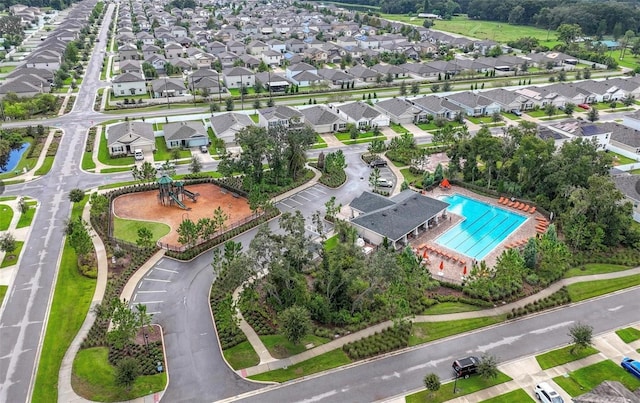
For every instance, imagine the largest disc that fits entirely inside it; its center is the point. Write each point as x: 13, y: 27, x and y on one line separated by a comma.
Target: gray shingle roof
x: 319, y: 115
x: 408, y: 211
x: 397, y: 107
x: 129, y: 132
x: 183, y: 130
x: 359, y: 110
x: 128, y: 78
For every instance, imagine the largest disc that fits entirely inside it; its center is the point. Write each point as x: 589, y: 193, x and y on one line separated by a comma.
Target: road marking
x: 552, y: 327
x: 154, y: 313
x: 152, y: 302
x: 295, y: 201
x: 149, y: 292
x: 504, y: 341
x: 135, y: 296
x: 286, y: 205
x: 319, y: 397
x: 155, y: 279
x: 616, y: 308
x: 319, y: 190
x: 139, y: 284
x: 167, y: 270
x: 387, y: 377
x: 302, y: 197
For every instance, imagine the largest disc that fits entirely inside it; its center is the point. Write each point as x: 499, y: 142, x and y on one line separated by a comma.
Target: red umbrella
x: 441, y: 265
x: 424, y: 254
x: 464, y: 271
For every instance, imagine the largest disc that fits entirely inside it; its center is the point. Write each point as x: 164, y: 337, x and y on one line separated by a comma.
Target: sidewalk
x: 504, y: 309
x: 20, y: 234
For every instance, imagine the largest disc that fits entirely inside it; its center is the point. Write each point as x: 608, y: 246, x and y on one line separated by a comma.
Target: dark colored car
x: 631, y: 366
x: 584, y: 106
x: 465, y: 366
x: 378, y: 163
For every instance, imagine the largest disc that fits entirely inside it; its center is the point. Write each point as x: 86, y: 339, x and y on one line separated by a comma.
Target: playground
x: 156, y: 206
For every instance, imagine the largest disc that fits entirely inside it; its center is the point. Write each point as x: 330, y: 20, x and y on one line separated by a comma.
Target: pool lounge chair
x: 511, y: 204
x: 533, y: 210
x: 500, y: 199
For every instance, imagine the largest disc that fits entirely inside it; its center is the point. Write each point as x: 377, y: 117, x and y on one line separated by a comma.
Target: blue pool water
x: 14, y: 158
x: 483, y: 227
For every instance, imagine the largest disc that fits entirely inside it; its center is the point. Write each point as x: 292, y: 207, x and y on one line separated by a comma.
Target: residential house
x: 473, y: 104
x: 47, y: 60
x: 391, y: 70
x: 277, y: 45
x: 168, y: 87
x: 541, y: 96
x: 173, y: 50
x: 335, y: 76
x: 124, y: 138
x: 185, y: 134
x: 272, y: 82
x: 295, y: 45
x: 179, y: 32
x: 361, y: 114
x: 272, y: 58
x: 146, y: 38
x: 216, y: 47
x: 624, y: 139
x: 400, y: 111
x: 127, y: 84
x: 150, y: 50
x: 509, y: 100
x: 586, y: 130
x: 130, y: 66
x: 602, y: 91
x: 237, y: 77
x: 614, y: 391
x: 157, y: 61
x: 249, y: 61
x: 303, y: 74
x: 205, y: 81
x: 256, y: 48
x: 236, y: 47
x: 227, y: 59
x: 25, y: 86
x: 364, y: 74
x: 396, y: 218
x: 420, y: 70
x: 323, y: 120
x: 279, y: 116
x: 436, y: 106
x: 128, y: 51
x: 226, y: 125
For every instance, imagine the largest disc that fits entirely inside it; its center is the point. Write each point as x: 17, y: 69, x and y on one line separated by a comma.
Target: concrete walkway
x: 504, y: 309
x: 416, y: 131
x: 331, y: 140
x: 31, y: 174
x: 20, y: 234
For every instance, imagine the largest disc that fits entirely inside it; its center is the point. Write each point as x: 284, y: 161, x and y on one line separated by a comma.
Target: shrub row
x: 254, y: 313
x: 388, y: 340
x: 91, y: 139
x: 36, y: 148
x: 69, y: 106
x: 223, y: 311
x: 53, y: 147
x: 333, y: 180
x: 558, y: 298
x: 470, y: 301
x: 147, y: 362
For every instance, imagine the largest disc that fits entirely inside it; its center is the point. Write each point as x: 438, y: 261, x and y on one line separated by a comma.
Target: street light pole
x: 166, y: 92
x: 193, y: 89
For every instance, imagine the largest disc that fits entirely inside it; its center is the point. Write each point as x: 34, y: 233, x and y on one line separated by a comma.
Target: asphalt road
x: 402, y: 373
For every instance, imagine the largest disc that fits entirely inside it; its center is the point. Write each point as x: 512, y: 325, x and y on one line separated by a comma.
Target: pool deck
x: 452, y: 269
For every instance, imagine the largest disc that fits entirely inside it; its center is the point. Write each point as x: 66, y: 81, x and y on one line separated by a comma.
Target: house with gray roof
x: 124, y: 138
x: 364, y: 74
x: 226, y: 125
x: 128, y: 51
x: 473, y: 104
x: 168, y: 87
x: 599, y: 133
x: 401, y: 111
x: 323, y: 120
x: 624, y: 139
x: 279, y: 116
x: 434, y: 106
x: 390, y: 70
x: 128, y: 84
x: 407, y: 213
x: 335, y: 76
x: 609, y: 392
x: 509, y: 100
x: 236, y: 77
x: 361, y: 114
x: 185, y: 134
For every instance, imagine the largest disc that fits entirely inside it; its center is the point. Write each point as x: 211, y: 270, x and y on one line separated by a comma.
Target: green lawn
x: 450, y: 307
x: 103, y: 153
x: 241, y: 356
x: 463, y: 387
x: 87, y: 161
x: 540, y: 113
x: 27, y: 217
x: 331, y: 243
x: 510, y: 116
x: 347, y: 136
x: 255, y: 117
x: 320, y: 143
x: 584, y: 379
x: 46, y: 166
x: 563, y: 355
x: 330, y: 360
x: 24, y: 162
x: 481, y: 119
x: 164, y: 154
x: 398, y: 128
x: 428, y: 331
x: 518, y: 395
x: 410, y: 177
x: 94, y: 378
x: 590, y: 289
x: 594, y: 268
x: 71, y: 301
x: 3, y: 292
x: 495, y: 31
x: 280, y: 347
x: 127, y: 230
x: 7, y: 69
x: 12, y: 258
x: 619, y: 159
x: 629, y: 334
x: 6, y: 215
x: 432, y: 126
x: 114, y: 170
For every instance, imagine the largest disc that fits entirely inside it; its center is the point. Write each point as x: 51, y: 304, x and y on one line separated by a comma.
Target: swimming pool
x: 484, y: 226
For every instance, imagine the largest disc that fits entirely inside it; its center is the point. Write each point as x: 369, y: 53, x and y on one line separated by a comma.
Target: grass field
x: 27, y: 217
x: 619, y: 159
x: 280, y: 347
x: 6, y: 215
x: 332, y: 359
x: 398, y: 128
x: 563, y: 355
x: 584, y: 379
x: 629, y: 334
x: 87, y: 161
x: 105, y: 158
x: 428, y: 331
x: 94, y: 378
x: 495, y: 31
x: 164, y: 154
x: 71, y: 301
x: 518, y: 395
x: 12, y: 258
x: 46, y: 166
x: 594, y: 268
x: 241, y: 356
x: 463, y: 387
x: 450, y: 307
x: 127, y: 230
x: 3, y: 292
x: 590, y: 289
x: 410, y: 177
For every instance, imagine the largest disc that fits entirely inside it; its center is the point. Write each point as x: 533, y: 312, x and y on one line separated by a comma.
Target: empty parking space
x: 152, y: 288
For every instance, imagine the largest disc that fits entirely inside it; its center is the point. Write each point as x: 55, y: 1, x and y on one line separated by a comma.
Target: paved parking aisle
x: 152, y: 288
x: 303, y: 198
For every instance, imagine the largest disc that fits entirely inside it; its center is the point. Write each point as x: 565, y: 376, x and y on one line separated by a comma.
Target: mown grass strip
x: 629, y: 334
x: 71, y: 302
x: 241, y: 356
x: 594, y: 268
x: 563, y: 355
x: 12, y: 258
x: 463, y: 387
x: 330, y: 360
x: 518, y: 395
x: 591, y: 289
x: 424, y: 332
x: 587, y: 378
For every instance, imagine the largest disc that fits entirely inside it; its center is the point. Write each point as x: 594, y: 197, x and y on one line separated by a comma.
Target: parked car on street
x: 631, y: 365
x: 465, y: 366
x: 545, y: 393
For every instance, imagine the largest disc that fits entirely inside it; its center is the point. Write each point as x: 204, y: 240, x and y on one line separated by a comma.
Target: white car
x: 545, y: 393
x: 164, y: 165
x: 384, y: 183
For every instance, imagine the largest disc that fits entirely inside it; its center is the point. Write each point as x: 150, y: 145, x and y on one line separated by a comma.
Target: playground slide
x: 178, y: 202
x: 191, y: 195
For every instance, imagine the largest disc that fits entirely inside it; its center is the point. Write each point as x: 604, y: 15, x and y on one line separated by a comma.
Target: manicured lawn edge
x: 241, y: 356
x: 326, y: 361
x: 27, y: 218
x: 3, y: 292
x: 424, y: 332
x: 7, y: 216
x: 563, y: 355
x: 594, y: 268
x: 463, y: 387
x: 71, y: 301
x: 518, y: 395
x: 15, y: 255
x: 127, y: 230
x: 586, y: 378
x: 591, y: 289
x: 629, y: 334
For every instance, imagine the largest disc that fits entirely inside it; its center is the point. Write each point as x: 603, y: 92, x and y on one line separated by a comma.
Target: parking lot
x: 152, y: 289
x: 387, y: 175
